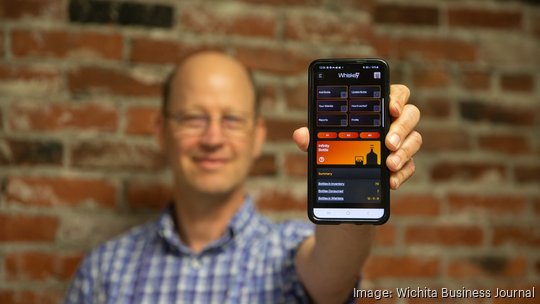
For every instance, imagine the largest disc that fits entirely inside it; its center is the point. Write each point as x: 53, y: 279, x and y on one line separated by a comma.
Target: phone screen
x: 348, y: 121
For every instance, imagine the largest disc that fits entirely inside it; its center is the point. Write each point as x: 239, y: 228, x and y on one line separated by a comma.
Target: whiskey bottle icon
x: 371, y: 157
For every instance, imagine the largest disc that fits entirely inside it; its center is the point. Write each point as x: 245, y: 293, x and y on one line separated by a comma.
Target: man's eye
x: 232, y: 121
x: 193, y: 120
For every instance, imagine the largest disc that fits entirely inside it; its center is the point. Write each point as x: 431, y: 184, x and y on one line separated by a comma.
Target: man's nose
x: 213, y: 133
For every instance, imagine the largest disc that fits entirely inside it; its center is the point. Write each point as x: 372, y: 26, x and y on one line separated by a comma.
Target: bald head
x: 210, y: 69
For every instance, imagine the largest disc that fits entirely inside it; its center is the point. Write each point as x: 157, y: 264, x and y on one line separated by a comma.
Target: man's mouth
x: 211, y: 163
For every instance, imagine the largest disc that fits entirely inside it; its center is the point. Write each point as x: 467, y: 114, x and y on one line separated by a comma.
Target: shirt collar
x: 239, y: 222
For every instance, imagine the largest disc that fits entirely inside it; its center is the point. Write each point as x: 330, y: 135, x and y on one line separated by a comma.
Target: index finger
x: 399, y: 96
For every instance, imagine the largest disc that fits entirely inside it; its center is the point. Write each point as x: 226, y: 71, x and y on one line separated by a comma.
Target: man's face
x: 211, y: 135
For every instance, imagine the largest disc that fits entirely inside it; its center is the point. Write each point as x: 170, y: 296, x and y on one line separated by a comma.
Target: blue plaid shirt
x: 253, y: 262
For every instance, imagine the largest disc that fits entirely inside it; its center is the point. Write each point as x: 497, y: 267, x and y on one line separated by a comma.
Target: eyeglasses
x: 195, y: 124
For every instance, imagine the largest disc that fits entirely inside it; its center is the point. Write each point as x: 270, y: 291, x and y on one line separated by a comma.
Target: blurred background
x: 80, y: 85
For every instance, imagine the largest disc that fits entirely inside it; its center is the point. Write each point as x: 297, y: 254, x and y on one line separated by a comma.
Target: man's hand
x: 330, y: 262
x: 402, y: 140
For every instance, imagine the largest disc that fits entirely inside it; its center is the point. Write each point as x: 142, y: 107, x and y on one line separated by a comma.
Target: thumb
x: 301, y: 138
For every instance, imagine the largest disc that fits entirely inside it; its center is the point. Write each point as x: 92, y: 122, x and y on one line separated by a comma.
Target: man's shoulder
x: 125, y: 243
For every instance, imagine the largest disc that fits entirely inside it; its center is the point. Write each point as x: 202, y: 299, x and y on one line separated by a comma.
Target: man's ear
x: 260, y: 137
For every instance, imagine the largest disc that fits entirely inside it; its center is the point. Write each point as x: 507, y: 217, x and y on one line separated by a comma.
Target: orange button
x: 370, y: 134
x: 326, y: 135
x: 348, y: 135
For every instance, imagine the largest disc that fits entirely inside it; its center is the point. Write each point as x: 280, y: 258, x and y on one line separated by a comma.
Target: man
x: 210, y: 246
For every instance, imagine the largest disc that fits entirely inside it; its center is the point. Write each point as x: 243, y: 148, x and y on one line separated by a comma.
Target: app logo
x: 349, y: 75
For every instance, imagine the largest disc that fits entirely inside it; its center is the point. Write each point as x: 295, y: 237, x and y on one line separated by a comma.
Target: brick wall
x: 80, y: 83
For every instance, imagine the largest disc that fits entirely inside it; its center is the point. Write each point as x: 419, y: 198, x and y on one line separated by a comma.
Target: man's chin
x: 210, y: 186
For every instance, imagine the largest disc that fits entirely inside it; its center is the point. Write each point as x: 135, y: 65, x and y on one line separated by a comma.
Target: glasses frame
x: 232, y: 125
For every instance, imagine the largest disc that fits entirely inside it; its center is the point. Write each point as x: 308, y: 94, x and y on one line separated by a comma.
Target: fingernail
x: 396, y: 160
x: 398, y: 109
x: 394, y: 140
x: 396, y: 183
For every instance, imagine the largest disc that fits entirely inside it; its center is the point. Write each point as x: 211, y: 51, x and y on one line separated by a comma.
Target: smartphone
x: 348, y: 180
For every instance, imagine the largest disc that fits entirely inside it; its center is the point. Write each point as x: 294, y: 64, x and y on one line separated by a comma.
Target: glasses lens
x: 197, y: 124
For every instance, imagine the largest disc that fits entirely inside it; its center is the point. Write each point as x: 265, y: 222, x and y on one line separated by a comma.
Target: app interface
x: 348, y: 129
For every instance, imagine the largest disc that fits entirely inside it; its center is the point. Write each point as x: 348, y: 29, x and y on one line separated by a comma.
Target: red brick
x: 104, y: 80
x: 23, y: 152
x: 384, y: 47
x: 396, y: 14
x: 508, y: 144
x: 201, y: 19
x: 148, y: 195
x: 281, y: 129
x: 517, y: 82
x: 40, y: 266
x: 30, y: 297
x: 264, y: 166
x: 467, y: 171
x: 328, y: 28
x: 511, y: 235
x: 476, y: 80
x: 267, y: 95
x: 500, y: 204
x: 280, y: 61
x: 28, y: 228
x: 431, y: 78
x: 54, y: 191
x: 16, y: 72
x: 296, y: 96
x: 527, y: 174
x: 478, y: 111
x: 415, y: 204
x: 482, y: 267
x: 43, y: 117
x: 141, y: 120
x: 379, y: 266
x: 535, y: 25
x: 536, y: 205
x: 144, y: 50
x: 296, y: 165
x: 444, y: 235
x: 434, y: 107
x: 444, y: 139
x: 46, y: 9
x: 434, y: 49
x: 385, y: 235
x: 280, y: 201
x: 60, y: 44
x: 484, y: 18
x: 117, y: 156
